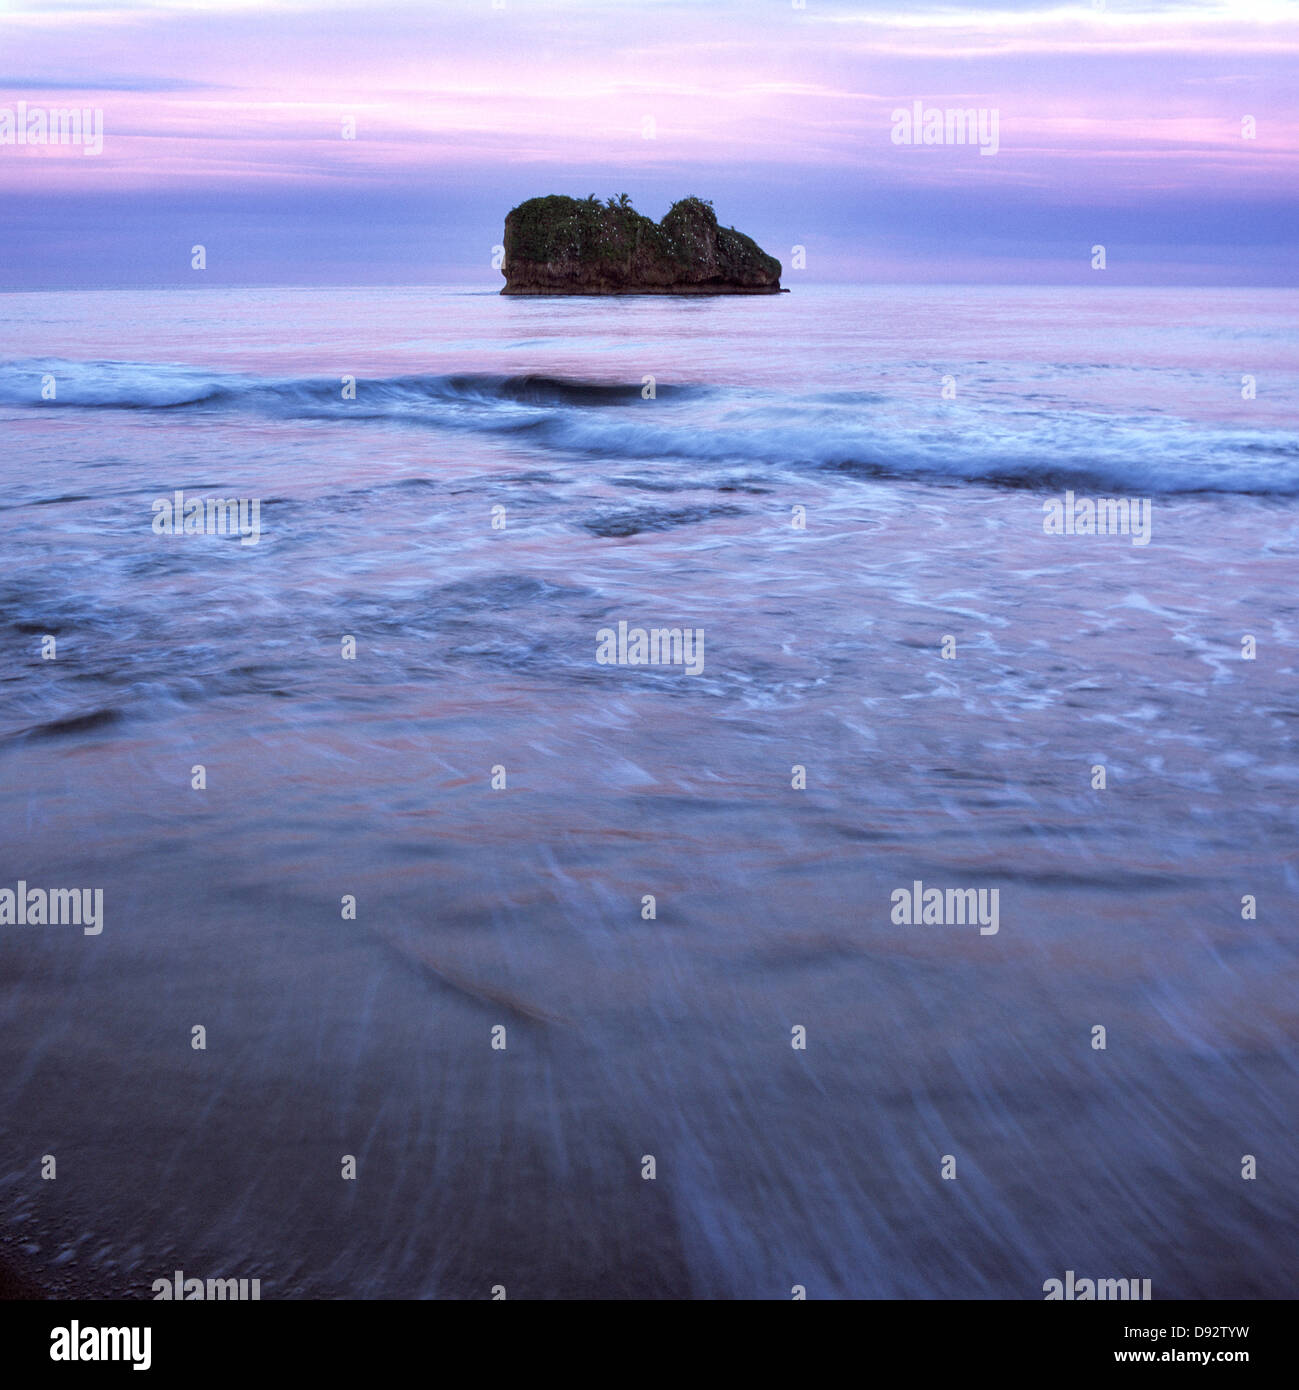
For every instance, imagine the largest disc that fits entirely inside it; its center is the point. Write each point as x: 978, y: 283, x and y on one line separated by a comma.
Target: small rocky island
x: 559, y: 245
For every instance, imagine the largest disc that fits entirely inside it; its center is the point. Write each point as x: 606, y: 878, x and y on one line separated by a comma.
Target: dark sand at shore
x: 15, y: 1284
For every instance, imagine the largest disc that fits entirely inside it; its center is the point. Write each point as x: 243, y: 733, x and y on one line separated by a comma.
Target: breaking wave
x: 1020, y: 444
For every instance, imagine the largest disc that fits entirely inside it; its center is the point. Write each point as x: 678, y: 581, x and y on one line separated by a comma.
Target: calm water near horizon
x: 522, y: 906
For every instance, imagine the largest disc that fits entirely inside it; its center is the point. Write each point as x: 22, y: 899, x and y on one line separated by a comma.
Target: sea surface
x: 794, y: 476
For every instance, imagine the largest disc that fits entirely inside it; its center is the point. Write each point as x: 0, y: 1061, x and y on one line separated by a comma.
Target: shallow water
x: 522, y: 906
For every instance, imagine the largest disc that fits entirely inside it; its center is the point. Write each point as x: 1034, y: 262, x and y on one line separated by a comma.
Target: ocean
x: 502, y: 922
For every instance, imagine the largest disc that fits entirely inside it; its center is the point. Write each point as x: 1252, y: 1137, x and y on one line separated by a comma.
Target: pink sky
x: 1132, y: 115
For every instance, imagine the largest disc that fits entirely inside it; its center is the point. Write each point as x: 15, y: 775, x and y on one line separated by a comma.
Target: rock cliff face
x: 560, y: 245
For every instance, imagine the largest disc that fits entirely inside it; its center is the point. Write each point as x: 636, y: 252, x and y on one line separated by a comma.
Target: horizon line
x: 471, y: 287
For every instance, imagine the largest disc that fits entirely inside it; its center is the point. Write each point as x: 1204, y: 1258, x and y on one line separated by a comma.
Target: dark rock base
x: 669, y: 289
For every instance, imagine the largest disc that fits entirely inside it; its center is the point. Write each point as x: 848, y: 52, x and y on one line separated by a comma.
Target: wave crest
x: 996, y: 444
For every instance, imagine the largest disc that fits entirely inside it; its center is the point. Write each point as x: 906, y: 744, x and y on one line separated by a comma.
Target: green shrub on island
x: 561, y: 245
